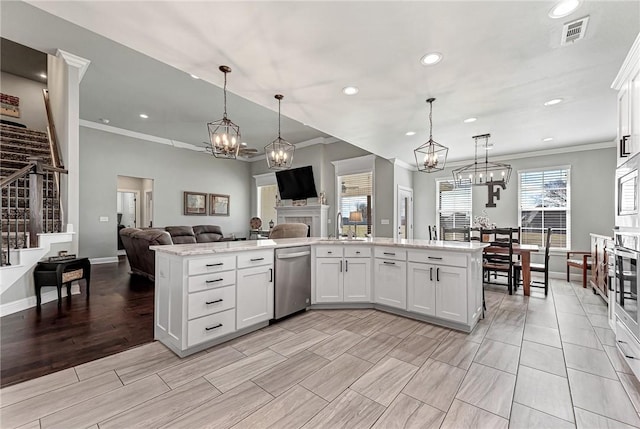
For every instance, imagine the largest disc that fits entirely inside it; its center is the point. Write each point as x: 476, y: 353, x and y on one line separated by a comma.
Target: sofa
x: 137, y: 241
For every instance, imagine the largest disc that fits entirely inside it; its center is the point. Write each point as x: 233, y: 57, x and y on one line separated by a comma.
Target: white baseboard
x: 107, y: 260
x: 30, y: 301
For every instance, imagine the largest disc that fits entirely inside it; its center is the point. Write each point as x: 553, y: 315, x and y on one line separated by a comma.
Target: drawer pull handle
x: 213, y: 281
x: 389, y: 253
x: 388, y: 263
x: 357, y: 252
x: 329, y: 252
x: 434, y: 257
x: 219, y: 325
x: 215, y: 265
x: 214, y: 301
x: 257, y: 259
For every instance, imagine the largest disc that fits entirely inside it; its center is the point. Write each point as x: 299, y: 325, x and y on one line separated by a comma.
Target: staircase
x: 31, y: 214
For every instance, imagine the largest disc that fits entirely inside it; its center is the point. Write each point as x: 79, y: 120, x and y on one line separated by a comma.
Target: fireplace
x: 313, y: 215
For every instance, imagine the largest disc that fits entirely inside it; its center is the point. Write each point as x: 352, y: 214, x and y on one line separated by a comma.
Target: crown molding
x: 82, y: 64
x: 403, y: 164
x: 629, y: 64
x: 306, y: 143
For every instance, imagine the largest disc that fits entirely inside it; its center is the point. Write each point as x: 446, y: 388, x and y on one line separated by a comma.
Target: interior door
x: 127, y: 207
x: 405, y: 213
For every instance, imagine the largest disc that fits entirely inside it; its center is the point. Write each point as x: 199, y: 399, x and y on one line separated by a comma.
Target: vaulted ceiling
x: 501, y: 62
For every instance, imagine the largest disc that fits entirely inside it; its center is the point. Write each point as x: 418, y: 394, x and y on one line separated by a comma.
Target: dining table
x: 524, y: 250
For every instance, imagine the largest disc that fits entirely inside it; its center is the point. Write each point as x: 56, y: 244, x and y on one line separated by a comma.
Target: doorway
x: 405, y: 213
x: 134, y: 204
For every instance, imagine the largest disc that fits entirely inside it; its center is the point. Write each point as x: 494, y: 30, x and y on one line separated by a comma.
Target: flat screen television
x: 296, y: 183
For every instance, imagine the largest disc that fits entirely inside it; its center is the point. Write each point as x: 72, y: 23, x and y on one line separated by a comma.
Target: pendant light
x: 279, y: 152
x: 431, y: 156
x: 224, y: 135
x: 483, y: 172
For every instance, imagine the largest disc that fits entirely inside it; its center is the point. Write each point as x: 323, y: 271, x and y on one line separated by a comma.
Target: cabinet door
x: 254, y: 303
x: 634, y: 115
x: 391, y: 283
x: 329, y: 279
x: 357, y: 280
x: 421, y: 287
x: 451, y: 293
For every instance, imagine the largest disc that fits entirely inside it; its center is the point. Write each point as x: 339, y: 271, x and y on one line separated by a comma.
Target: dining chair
x: 474, y: 234
x: 455, y: 234
x: 538, y: 268
x: 433, y: 232
x: 501, y: 260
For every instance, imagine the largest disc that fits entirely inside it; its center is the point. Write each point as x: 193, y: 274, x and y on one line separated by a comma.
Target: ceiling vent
x: 574, y: 31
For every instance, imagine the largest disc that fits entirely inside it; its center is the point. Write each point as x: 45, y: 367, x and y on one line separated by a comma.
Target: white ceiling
x: 502, y: 61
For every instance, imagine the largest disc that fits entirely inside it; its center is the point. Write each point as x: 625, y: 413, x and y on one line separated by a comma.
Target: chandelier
x: 482, y: 172
x: 279, y: 152
x: 224, y: 135
x: 431, y: 156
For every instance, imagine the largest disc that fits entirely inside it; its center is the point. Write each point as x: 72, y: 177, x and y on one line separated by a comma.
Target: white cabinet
x: 341, y: 278
x: 438, y: 289
x: 390, y: 282
x: 421, y: 289
x: 254, y: 285
x: 451, y: 293
x: 628, y: 85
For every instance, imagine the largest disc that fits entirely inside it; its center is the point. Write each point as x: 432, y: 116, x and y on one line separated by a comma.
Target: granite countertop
x: 240, y: 246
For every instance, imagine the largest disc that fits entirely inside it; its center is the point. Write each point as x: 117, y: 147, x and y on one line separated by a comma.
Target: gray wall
x: 32, y: 112
x: 105, y: 156
x: 592, y: 196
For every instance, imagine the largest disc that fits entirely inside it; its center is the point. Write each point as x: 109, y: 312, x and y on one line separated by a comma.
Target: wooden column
x: 36, y: 184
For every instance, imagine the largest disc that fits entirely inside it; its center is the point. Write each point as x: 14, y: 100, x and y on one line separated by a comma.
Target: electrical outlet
x: 384, y: 221
x: 104, y: 219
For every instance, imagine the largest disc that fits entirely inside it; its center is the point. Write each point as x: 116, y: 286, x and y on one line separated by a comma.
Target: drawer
x: 255, y: 258
x: 211, y: 301
x: 210, y: 327
x: 329, y: 251
x: 390, y: 253
x: 211, y: 281
x: 357, y: 251
x: 211, y: 264
x: 438, y: 257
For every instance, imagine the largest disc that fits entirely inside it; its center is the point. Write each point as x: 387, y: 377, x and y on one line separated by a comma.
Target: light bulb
x: 233, y: 141
x: 284, y: 156
x: 503, y: 174
x: 217, y: 139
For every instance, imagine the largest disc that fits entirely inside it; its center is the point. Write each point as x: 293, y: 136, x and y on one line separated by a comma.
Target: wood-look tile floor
x: 533, y: 362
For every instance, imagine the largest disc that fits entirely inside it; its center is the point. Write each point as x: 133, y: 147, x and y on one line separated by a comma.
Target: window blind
x: 544, y: 203
x: 355, y: 192
x: 454, y: 205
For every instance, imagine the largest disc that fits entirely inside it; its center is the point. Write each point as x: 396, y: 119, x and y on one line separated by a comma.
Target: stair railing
x: 38, y: 184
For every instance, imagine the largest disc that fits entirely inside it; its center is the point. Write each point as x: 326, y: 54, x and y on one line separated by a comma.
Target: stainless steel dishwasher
x: 292, y: 280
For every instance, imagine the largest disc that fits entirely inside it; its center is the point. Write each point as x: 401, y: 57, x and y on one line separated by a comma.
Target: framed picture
x: 195, y: 203
x: 218, y: 205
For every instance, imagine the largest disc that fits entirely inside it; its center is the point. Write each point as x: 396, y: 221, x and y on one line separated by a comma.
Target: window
x: 266, y: 204
x: 355, y: 193
x: 453, y: 205
x: 544, y: 201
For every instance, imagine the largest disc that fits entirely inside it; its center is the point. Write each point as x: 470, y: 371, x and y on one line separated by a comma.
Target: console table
x: 59, y: 273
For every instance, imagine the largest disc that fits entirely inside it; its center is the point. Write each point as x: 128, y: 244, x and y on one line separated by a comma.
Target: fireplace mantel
x: 314, y: 215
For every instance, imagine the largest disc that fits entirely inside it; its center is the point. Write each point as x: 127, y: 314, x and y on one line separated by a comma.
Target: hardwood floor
x: 117, y: 316
x: 324, y: 369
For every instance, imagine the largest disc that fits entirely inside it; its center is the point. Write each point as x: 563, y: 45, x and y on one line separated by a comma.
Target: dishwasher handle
x: 294, y: 255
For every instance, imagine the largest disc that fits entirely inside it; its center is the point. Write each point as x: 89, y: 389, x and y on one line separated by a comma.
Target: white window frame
x: 438, y: 203
x: 266, y: 179
x: 567, y: 209
x: 357, y: 165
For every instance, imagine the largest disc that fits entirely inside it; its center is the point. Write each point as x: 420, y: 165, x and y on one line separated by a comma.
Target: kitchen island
x: 209, y: 293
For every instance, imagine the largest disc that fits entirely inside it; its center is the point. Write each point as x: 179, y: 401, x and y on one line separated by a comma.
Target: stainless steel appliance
x: 627, y: 194
x: 292, y: 280
x: 625, y: 277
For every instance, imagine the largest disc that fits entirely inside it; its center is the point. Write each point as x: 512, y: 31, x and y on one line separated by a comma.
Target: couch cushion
x: 181, y: 234
x: 207, y: 233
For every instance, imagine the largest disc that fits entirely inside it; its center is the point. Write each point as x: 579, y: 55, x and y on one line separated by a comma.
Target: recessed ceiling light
x: 43, y: 75
x: 469, y: 120
x: 104, y: 120
x: 547, y: 139
x: 564, y: 8
x: 144, y: 116
x: 431, y: 58
x: 410, y: 133
x: 194, y: 76
x: 552, y: 102
x: 350, y: 90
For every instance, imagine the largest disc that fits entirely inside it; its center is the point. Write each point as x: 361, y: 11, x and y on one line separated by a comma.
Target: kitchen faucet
x: 338, y: 224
